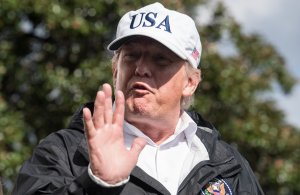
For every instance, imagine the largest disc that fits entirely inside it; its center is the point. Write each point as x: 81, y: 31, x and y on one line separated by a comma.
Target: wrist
x: 103, y: 183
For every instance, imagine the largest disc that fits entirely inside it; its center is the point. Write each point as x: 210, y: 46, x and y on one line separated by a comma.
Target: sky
x: 278, y: 22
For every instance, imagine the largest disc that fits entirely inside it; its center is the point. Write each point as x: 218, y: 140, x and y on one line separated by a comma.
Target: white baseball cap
x: 175, y: 30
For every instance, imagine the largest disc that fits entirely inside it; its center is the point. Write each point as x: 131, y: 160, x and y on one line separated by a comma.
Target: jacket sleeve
x: 50, y: 171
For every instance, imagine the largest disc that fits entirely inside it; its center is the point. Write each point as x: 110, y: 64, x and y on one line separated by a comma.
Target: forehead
x: 146, y: 42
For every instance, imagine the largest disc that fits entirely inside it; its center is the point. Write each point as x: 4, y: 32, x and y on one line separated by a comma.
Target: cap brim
x: 117, y: 43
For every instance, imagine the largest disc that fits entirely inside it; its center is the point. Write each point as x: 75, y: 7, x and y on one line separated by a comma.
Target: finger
x: 137, y: 146
x: 118, y: 117
x: 98, y: 116
x: 108, y: 104
x: 88, y: 123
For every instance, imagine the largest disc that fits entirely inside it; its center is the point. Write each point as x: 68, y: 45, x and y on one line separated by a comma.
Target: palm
x: 110, y: 160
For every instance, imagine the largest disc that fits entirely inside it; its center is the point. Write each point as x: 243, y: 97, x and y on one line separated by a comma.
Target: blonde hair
x: 187, y: 101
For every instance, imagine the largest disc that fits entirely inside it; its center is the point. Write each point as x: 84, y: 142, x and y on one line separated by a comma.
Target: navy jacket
x: 59, y: 163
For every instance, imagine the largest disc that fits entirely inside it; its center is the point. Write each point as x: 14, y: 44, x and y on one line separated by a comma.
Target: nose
x: 143, y: 67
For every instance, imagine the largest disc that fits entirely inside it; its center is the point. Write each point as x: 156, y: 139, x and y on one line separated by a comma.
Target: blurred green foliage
x: 53, y: 58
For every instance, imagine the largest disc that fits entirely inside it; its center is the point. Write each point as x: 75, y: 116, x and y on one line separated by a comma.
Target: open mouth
x: 140, y: 88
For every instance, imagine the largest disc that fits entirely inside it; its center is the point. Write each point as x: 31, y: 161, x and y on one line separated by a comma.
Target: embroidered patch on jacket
x: 216, y: 187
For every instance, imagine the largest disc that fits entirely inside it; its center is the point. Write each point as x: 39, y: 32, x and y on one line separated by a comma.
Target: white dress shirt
x: 171, y: 161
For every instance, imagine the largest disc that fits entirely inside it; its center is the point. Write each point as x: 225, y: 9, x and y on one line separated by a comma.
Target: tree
x: 53, y: 58
x: 232, y: 97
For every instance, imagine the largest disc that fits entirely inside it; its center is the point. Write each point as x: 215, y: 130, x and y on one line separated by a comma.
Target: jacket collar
x: 77, y: 124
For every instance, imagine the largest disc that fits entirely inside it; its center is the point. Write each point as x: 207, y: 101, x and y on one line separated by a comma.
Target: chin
x: 137, y: 108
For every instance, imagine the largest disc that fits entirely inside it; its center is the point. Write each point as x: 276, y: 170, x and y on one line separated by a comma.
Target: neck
x: 157, y: 134
x: 158, y: 130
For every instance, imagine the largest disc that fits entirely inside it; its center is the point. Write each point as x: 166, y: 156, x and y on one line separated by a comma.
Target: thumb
x: 137, y: 146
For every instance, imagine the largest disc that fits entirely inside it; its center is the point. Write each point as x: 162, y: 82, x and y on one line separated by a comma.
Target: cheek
x: 172, y: 90
x: 122, y: 78
x: 172, y: 81
x: 120, y: 82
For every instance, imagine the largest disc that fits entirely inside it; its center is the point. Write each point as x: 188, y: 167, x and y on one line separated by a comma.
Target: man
x: 144, y: 142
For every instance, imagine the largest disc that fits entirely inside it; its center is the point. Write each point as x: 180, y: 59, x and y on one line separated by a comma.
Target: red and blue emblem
x: 195, y: 53
x: 216, y: 187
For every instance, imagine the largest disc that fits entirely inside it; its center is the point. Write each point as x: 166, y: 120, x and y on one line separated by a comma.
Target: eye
x: 162, y: 59
x: 131, y: 55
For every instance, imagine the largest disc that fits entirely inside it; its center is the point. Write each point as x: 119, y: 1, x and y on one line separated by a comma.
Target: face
x: 153, y: 80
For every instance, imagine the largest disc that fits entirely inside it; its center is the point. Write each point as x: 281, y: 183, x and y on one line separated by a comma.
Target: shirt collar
x: 184, y: 125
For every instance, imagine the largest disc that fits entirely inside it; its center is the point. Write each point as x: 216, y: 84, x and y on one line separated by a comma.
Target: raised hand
x: 109, y: 158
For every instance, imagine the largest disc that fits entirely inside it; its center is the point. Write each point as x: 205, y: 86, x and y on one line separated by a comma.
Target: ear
x: 193, y: 79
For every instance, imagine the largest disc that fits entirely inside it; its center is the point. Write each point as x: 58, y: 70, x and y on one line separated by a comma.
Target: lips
x: 140, y: 87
